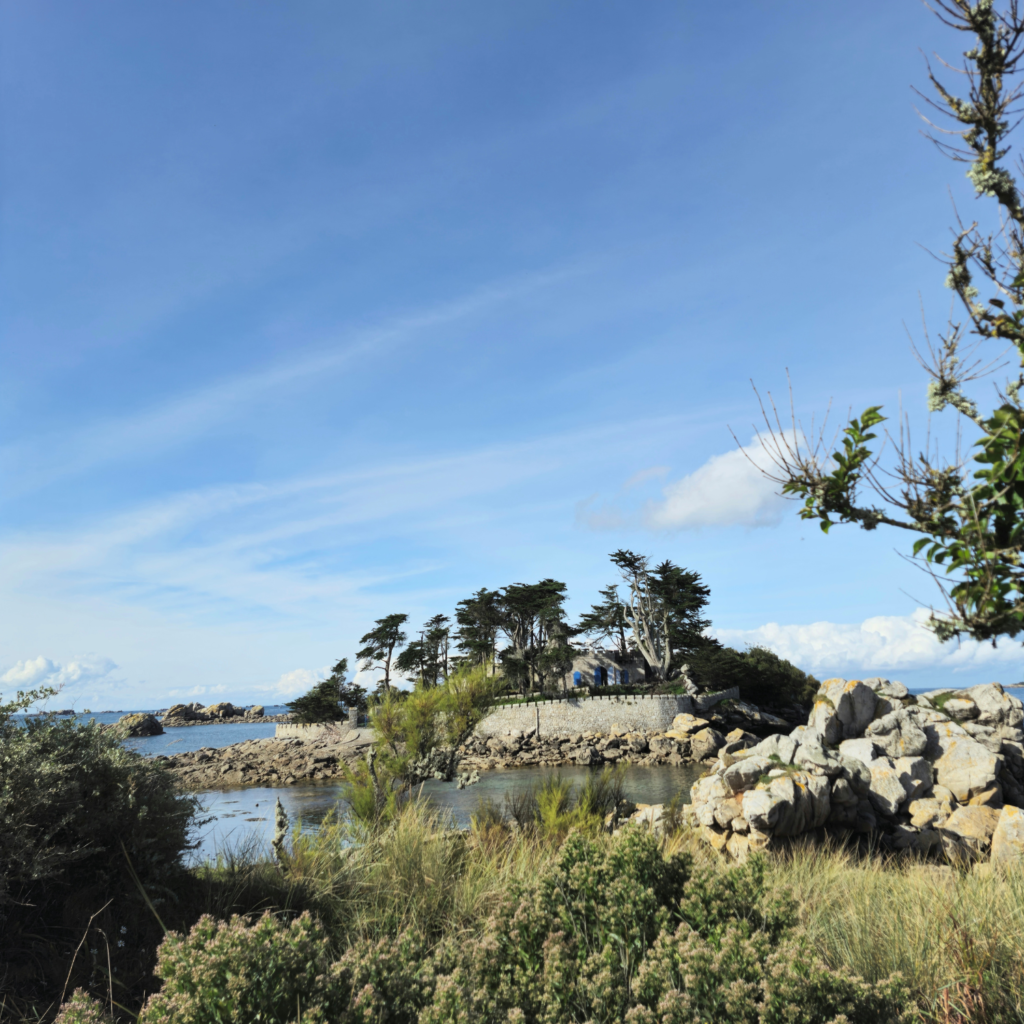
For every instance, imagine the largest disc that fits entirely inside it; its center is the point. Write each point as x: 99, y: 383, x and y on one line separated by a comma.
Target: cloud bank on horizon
x: 38, y: 672
x: 882, y: 643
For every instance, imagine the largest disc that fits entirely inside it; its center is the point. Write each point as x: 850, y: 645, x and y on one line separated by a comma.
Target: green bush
x: 761, y: 675
x: 84, y: 824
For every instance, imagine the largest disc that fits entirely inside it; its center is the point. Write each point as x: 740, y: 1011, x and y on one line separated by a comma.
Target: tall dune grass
x: 958, y: 938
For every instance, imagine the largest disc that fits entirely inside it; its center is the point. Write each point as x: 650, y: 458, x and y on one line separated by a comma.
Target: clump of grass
x: 942, y: 700
x: 555, y: 806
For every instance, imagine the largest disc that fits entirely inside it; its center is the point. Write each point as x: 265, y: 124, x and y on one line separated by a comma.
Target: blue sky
x: 315, y: 312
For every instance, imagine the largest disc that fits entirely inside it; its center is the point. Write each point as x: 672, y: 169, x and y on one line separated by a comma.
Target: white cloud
x: 884, y: 643
x: 298, y: 681
x: 43, y: 671
x: 644, y: 475
x: 728, y: 490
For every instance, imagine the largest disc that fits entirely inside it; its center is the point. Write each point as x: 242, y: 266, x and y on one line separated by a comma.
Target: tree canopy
x: 326, y: 701
x: 479, y: 622
x: 380, y: 644
x: 663, y: 611
x: 426, y: 659
x: 534, y: 623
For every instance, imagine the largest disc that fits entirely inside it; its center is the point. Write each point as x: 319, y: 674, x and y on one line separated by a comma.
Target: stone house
x: 596, y: 667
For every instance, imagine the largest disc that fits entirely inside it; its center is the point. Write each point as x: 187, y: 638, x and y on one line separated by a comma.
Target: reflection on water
x: 245, y: 816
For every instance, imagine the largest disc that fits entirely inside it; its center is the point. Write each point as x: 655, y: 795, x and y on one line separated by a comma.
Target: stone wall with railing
x: 567, y: 716
x: 570, y: 716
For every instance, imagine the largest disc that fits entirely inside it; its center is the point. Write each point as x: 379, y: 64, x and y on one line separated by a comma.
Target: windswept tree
x: 426, y: 659
x: 436, y: 639
x: 534, y: 624
x: 327, y: 700
x: 606, y: 620
x: 411, y: 662
x: 663, y: 610
x: 966, y: 510
x: 379, y: 646
x: 479, y: 622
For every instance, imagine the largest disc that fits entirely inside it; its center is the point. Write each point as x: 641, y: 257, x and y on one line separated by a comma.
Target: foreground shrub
x: 81, y: 1008
x: 235, y: 973
x: 84, y: 824
x: 611, y: 931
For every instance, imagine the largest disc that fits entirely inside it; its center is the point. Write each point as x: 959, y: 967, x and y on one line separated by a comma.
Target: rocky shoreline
x: 288, y: 762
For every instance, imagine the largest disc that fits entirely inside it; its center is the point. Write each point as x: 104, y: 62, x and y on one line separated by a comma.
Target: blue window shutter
x: 625, y: 677
x: 597, y: 677
x: 577, y: 678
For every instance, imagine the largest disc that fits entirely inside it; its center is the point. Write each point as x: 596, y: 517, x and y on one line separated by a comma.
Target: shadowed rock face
x: 931, y: 773
x: 1008, y: 839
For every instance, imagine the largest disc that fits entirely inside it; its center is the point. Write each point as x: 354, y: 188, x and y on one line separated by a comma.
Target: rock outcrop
x: 269, y: 762
x: 139, y: 725
x: 943, y: 771
x: 220, y: 714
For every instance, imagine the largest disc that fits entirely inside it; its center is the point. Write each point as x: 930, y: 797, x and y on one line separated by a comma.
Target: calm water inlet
x: 244, y: 816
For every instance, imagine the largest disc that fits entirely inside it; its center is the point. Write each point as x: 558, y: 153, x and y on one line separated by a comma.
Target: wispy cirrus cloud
x: 35, y: 462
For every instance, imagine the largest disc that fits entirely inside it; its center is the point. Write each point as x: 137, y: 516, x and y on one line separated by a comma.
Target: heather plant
x: 233, y: 972
x: 81, y: 1008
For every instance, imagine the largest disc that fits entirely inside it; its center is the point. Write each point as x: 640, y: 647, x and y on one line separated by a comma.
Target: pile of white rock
x: 941, y: 772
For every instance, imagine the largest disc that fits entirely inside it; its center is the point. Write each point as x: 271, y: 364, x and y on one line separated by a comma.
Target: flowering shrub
x: 231, y: 972
x: 81, y: 1008
x: 611, y: 932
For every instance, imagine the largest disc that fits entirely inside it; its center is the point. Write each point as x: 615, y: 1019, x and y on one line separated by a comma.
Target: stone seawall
x: 557, y: 717
x: 573, y: 715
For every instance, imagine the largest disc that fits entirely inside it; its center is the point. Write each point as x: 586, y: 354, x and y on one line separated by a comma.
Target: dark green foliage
x: 84, y: 824
x: 323, y: 703
x: 426, y: 660
x: 762, y: 676
x: 533, y: 621
x: 479, y: 621
x: 606, y: 620
x: 380, y: 645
